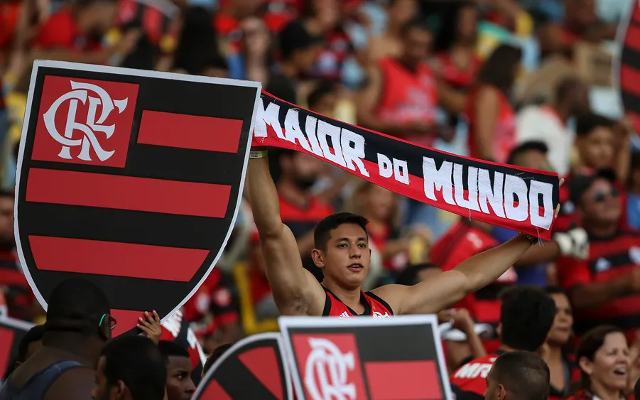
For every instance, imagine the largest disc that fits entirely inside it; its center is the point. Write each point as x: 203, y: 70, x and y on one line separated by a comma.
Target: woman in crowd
x: 562, y: 366
x: 489, y: 113
x: 603, y: 357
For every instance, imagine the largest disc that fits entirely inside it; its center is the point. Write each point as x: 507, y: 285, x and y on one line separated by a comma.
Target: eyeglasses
x: 601, y: 196
x: 112, y: 321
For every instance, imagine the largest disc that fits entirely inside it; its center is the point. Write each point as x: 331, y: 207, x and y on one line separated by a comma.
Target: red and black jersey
x: 469, y: 381
x: 176, y: 329
x: 374, y: 306
x: 15, y: 287
x: 460, y: 242
x: 609, y: 258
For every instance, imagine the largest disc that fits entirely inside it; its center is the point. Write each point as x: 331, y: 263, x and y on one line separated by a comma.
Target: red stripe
x: 126, y: 320
x: 190, y: 131
x: 214, y: 392
x: 116, y: 259
x: 632, y: 39
x: 629, y: 78
x: 400, y: 380
x: 152, y: 22
x: 127, y: 193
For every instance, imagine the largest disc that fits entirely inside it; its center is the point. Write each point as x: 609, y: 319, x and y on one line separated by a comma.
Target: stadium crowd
x: 521, y: 82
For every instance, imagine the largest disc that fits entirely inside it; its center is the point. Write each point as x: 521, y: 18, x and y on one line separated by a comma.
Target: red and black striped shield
x: 629, y: 64
x: 130, y: 179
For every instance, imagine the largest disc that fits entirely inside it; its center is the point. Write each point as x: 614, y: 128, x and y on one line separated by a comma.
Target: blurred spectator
x: 20, y: 300
x: 252, y: 61
x: 198, y: 44
x: 130, y: 368
x: 226, y: 22
x: 633, y: 193
x: 605, y: 288
x: 489, y: 113
x: 298, y: 49
x: 78, y: 326
x: 562, y: 365
x: 402, y: 94
x: 548, y: 123
x: 526, y: 315
x: 603, y: 356
x: 518, y: 375
x: 389, y: 44
x: 299, y: 209
x: 179, y: 383
x: 177, y: 329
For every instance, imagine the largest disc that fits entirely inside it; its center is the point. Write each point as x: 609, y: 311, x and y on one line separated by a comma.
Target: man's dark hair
x: 322, y: 89
x: 76, y: 305
x: 532, y: 145
x: 7, y: 193
x: 322, y: 233
x: 523, y: 374
x: 555, y: 290
x: 526, y: 316
x: 409, y: 276
x: 415, y: 23
x: 170, y: 348
x: 587, y: 122
x: 499, y: 69
x: 136, y: 361
x: 33, y: 335
x: 215, y: 355
x: 566, y: 86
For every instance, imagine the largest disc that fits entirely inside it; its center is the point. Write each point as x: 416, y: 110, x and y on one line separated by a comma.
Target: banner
x: 366, y: 358
x: 512, y: 197
x: 130, y: 179
x: 11, y: 333
x: 253, y: 368
x: 628, y: 71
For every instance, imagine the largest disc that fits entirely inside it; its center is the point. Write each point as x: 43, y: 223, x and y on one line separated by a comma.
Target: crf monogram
x: 326, y: 372
x: 80, y: 92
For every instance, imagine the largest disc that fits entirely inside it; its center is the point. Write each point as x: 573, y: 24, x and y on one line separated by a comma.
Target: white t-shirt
x: 542, y: 123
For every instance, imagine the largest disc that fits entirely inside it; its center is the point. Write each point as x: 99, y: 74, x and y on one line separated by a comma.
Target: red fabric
x: 9, y: 15
x: 379, y: 240
x: 608, y: 259
x: 18, y: 294
x: 408, y: 97
x: 454, y: 75
x: 259, y: 284
x: 471, y: 377
x: 61, y: 30
x: 374, y: 306
x: 504, y: 137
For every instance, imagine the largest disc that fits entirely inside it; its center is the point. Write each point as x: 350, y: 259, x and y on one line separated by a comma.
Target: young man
x: 180, y: 386
x: 77, y: 328
x: 527, y: 314
x: 341, y: 251
x: 130, y: 368
x: 518, y: 375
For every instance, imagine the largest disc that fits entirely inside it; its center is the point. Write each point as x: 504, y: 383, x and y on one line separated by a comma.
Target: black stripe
x: 630, y: 58
x: 121, y: 226
x: 623, y: 322
x: 239, y: 382
x: 618, y: 260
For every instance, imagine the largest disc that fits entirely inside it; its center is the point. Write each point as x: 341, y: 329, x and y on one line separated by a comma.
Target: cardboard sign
x: 628, y: 67
x: 11, y: 332
x: 130, y: 179
x: 253, y: 368
x: 366, y: 358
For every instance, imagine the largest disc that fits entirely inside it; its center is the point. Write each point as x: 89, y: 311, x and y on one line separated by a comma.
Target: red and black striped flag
x: 131, y: 179
x: 629, y: 65
x: 366, y: 358
x: 253, y: 368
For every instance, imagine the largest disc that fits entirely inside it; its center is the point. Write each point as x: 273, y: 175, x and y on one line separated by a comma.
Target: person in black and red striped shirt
x: 605, y: 288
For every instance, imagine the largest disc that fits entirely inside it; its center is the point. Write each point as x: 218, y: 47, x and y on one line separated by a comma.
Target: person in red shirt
x: 402, y: 94
x: 75, y: 32
x: 605, y: 288
x: 603, y: 354
x: 518, y: 375
x: 491, y: 117
x: 527, y: 314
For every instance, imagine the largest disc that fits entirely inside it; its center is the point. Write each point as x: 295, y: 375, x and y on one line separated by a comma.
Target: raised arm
x: 433, y: 295
x: 295, y: 290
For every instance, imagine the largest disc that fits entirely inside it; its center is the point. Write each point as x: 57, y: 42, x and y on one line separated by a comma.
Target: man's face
x: 346, y: 257
x: 495, y: 391
x: 417, y: 45
x: 179, y: 383
x: 597, y: 148
x: 580, y: 102
x: 601, y: 203
x: 101, y: 391
x: 6, y: 220
x: 303, y: 169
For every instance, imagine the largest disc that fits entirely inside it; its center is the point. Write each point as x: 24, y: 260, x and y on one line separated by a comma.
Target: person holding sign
x: 341, y: 251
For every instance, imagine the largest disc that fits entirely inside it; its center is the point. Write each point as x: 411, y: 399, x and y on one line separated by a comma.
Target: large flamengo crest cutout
x: 628, y: 70
x: 129, y: 179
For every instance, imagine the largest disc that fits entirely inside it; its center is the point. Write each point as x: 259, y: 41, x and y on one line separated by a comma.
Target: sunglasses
x: 112, y: 321
x: 600, y: 197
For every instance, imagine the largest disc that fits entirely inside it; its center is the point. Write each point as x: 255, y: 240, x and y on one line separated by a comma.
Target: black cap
x: 76, y: 304
x: 295, y: 36
x: 581, y: 183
